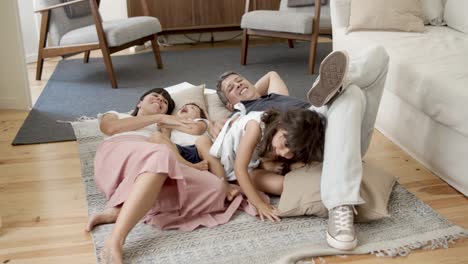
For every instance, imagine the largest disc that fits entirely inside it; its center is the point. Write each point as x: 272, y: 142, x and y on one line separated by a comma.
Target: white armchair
x: 285, y: 23
x: 75, y: 26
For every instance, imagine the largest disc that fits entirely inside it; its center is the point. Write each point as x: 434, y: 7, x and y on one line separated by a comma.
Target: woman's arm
x: 247, y: 146
x: 188, y: 126
x: 111, y: 124
x: 166, y: 132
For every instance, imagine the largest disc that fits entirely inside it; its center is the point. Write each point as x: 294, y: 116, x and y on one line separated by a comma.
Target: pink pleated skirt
x: 189, y: 198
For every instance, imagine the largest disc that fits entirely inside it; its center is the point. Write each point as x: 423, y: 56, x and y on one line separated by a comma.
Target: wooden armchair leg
x: 86, y: 56
x: 156, y: 52
x: 40, y: 64
x: 313, y: 49
x: 245, y: 46
x: 291, y: 43
x: 110, y: 69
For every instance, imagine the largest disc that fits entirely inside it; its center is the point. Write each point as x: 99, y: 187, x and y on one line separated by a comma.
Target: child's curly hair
x: 305, y: 133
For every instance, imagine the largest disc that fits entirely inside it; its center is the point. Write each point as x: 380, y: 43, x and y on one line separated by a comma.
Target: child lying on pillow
x: 190, y: 149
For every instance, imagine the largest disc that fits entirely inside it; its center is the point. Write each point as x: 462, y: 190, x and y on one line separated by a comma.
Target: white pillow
x: 191, y: 94
x: 433, y: 12
x: 395, y: 15
x: 455, y: 15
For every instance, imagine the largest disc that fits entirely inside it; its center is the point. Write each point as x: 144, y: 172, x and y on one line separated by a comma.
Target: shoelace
x: 343, y: 221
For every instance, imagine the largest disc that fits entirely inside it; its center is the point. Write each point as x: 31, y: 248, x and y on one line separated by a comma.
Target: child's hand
x: 274, y: 166
x: 297, y: 165
x: 268, y: 211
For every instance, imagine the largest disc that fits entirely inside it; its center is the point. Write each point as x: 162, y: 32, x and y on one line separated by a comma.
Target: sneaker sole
x: 341, y: 245
x: 332, y: 71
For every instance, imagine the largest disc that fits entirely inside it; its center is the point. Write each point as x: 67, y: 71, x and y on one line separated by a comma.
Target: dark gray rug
x: 76, y: 89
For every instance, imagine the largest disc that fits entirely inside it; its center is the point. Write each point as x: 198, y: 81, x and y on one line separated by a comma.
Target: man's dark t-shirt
x: 281, y: 102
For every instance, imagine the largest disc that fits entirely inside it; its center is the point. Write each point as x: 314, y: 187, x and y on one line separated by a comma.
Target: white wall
x: 113, y: 9
x: 30, y: 22
x: 14, y: 86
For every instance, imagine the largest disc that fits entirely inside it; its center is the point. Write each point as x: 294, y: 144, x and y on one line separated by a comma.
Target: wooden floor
x: 43, y: 208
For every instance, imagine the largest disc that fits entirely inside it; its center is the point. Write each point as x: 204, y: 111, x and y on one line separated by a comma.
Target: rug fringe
x: 85, y: 118
x: 441, y: 242
x: 79, y: 119
x: 312, y: 261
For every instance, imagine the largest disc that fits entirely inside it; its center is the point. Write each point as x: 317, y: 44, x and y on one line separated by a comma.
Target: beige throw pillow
x: 192, y: 94
x: 301, y: 193
x: 391, y: 15
x: 216, y: 108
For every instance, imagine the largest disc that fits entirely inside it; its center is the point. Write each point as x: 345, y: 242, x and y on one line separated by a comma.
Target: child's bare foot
x: 111, y: 252
x: 232, y: 190
x: 107, y: 217
x: 202, y: 165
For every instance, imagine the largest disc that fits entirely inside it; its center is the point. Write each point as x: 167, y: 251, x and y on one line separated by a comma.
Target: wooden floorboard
x: 43, y: 205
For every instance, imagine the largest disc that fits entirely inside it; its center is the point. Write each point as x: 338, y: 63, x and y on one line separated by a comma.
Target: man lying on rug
x: 141, y: 179
x: 349, y: 102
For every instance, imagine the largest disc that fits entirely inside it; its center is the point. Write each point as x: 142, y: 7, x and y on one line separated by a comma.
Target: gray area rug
x: 244, y: 239
x: 76, y: 89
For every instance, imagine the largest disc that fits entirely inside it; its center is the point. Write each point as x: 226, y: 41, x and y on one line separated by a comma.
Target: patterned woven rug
x: 244, y: 239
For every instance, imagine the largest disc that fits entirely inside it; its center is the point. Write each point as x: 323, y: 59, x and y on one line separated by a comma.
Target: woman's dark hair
x: 202, y: 112
x: 305, y: 133
x: 164, y: 93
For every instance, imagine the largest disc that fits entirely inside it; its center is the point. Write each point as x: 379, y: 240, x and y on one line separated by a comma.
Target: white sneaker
x: 341, y: 234
x: 332, y: 72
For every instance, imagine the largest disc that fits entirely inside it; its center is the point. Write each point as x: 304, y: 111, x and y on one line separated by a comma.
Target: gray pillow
x: 297, y: 3
x: 77, y: 10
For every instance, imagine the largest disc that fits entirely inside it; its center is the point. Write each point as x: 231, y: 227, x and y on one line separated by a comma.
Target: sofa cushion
x: 455, y: 15
x: 427, y: 70
x: 395, y: 15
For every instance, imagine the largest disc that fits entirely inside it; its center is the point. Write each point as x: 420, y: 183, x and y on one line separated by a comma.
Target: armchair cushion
x: 77, y: 10
x: 281, y: 21
x: 117, y: 32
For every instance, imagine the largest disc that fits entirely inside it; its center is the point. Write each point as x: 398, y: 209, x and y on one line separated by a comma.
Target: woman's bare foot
x: 232, y: 190
x: 112, y: 252
x: 202, y: 165
x: 107, y: 217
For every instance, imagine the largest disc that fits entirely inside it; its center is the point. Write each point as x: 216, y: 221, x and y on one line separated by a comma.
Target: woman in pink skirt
x: 141, y: 179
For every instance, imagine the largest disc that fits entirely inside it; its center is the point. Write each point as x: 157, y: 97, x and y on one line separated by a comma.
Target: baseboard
x: 30, y: 58
x: 12, y: 103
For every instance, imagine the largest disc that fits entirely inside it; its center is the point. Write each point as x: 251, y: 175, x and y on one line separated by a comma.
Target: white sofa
x: 424, y: 108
